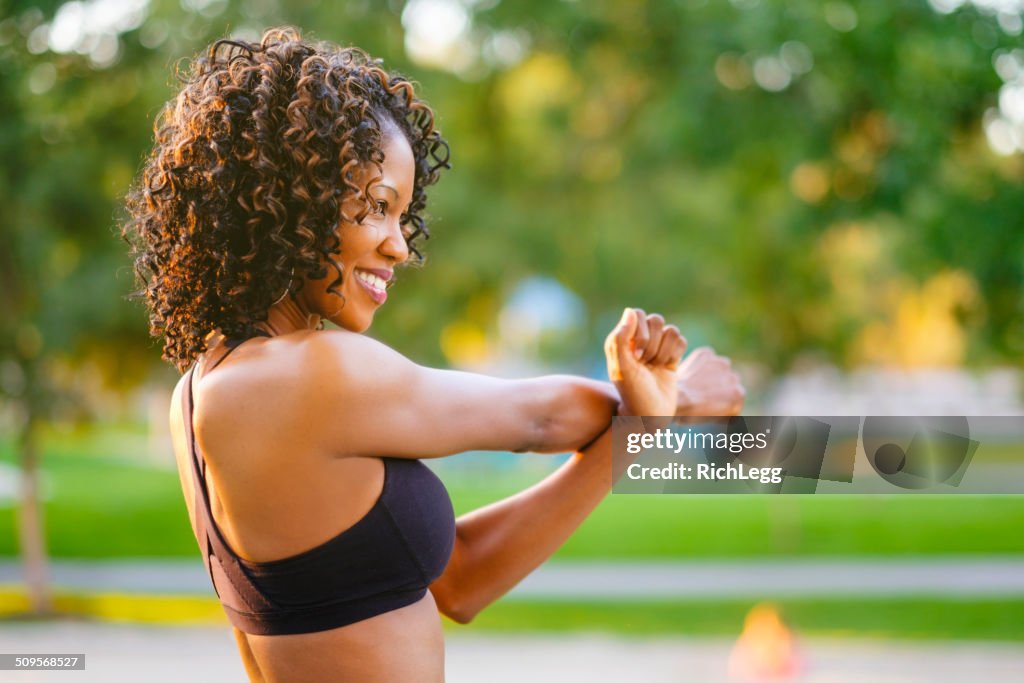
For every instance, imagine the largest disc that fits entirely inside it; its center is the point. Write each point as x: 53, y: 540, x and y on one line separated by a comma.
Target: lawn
x: 878, y: 618
x: 889, y: 618
x: 105, y: 501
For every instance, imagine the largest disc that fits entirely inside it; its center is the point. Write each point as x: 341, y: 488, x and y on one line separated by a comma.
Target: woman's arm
x: 500, y: 544
x: 371, y: 399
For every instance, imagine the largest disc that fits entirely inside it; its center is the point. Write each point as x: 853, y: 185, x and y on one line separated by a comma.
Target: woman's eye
x: 382, y: 208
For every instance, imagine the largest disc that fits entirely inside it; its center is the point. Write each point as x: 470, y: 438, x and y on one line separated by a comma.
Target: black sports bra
x: 384, y: 561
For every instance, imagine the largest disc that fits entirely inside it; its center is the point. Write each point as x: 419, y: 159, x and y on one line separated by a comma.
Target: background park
x: 827, y: 192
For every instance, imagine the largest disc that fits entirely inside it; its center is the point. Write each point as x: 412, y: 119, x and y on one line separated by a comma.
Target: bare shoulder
x: 252, y: 394
x: 304, y: 384
x: 339, y: 358
x: 260, y: 370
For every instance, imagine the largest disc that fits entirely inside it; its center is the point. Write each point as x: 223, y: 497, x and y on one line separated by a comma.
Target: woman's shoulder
x: 286, y: 381
x: 350, y: 360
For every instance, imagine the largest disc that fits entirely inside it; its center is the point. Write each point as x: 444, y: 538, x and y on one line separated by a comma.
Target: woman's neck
x: 290, y: 315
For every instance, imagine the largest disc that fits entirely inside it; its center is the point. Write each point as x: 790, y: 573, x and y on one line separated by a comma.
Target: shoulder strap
x: 238, y: 590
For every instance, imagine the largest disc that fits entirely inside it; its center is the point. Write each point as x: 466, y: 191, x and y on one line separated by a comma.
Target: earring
x: 287, y: 287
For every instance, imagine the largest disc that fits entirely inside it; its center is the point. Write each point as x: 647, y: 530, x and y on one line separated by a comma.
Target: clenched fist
x: 643, y: 353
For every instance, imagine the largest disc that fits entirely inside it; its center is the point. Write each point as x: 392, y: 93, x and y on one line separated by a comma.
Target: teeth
x: 371, y: 279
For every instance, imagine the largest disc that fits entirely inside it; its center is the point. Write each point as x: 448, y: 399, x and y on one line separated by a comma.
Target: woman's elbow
x: 540, y: 436
x: 459, y: 616
x: 449, y: 590
x: 538, y: 417
x: 568, y: 413
x: 450, y: 606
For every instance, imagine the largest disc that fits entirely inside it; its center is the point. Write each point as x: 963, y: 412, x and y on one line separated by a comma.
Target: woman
x: 286, y: 185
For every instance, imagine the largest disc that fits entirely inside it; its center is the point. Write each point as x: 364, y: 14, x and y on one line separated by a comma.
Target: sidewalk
x: 960, y: 576
x: 126, y: 654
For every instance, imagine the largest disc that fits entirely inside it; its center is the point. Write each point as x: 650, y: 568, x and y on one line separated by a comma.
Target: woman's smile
x: 377, y: 241
x: 375, y: 282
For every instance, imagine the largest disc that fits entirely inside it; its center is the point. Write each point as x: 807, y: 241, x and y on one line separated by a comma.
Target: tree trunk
x: 32, y: 537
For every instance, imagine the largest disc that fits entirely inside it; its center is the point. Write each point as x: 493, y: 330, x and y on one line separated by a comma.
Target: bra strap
x: 240, y: 588
x: 233, y: 343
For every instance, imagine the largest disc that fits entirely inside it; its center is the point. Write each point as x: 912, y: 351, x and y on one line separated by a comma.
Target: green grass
x: 887, y: 619
x: 106, y: 502
x: 881, y: 618
x: 664, y: 526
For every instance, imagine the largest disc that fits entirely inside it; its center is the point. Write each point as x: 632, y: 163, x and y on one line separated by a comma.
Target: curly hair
x: 252, y: 163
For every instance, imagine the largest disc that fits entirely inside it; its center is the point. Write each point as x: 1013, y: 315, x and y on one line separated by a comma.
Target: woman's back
x: 275, y: 493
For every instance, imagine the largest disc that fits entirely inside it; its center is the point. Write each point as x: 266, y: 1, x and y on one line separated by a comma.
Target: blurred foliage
x: 782, y: 178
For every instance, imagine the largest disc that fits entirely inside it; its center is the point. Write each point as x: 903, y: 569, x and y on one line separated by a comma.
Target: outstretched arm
x: 374, y: 400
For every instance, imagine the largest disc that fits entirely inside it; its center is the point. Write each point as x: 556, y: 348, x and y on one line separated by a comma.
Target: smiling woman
x: 286, y: 185
x: 267, y: 154
x: 370, y: 250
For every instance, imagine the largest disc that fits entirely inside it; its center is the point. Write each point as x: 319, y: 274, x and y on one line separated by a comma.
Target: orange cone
x: 766, y: 650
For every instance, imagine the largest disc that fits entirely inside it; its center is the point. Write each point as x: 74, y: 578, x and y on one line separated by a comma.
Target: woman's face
x: 369, y: 251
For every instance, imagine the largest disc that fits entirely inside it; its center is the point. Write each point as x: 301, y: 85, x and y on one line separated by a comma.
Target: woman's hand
x: 642, y: 354
x: 708, y: 385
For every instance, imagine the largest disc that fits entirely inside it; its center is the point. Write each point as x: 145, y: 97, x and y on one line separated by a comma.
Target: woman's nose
x: 394, y: 245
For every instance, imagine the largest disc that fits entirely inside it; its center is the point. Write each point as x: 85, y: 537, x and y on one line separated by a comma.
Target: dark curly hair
x: 242, y: 194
